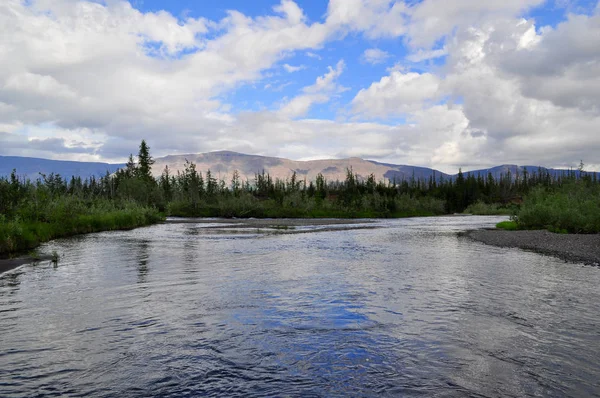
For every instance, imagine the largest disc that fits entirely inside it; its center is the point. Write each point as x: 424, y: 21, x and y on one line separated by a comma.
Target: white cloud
x: 561, y: 65
x: 424, y: 55
x: 91, y: 79
x: 512, y: 121
x: 376, y: 18
x: 374, y: 56
x: 422, y: 22
x: 318, y: 93
x: 291, y: 69
x: 78, y: 64
x: 431, y: 20
x: 397, y: 94
x: 526, y: 97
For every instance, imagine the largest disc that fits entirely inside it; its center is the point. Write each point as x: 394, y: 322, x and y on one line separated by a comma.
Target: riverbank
x: 7, y: 264
x: 18, y: 237
x: 569, y: 247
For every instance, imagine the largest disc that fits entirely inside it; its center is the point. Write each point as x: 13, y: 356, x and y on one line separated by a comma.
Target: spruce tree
x: 145, y: 162
x: 130, y: 167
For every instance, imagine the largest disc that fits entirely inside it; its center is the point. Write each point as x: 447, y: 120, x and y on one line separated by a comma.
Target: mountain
x: 31, y: 167
x: 515, y: 170
x: 223, y: 163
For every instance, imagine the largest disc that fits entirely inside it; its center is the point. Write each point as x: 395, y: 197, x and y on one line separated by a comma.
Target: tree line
x: 190, y: 192
x: 132, y: 197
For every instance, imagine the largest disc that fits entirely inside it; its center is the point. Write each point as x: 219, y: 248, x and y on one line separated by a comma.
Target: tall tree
x: 145, y: 162
x: 130, y: 167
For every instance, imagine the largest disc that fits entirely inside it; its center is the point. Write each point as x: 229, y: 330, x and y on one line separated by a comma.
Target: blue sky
x: 277, y: 83
x: 431, y: 82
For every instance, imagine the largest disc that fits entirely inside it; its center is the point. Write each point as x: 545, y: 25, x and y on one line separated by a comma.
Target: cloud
x: 59, y: 52
x: 431, y: 20
x: 376, y: 18
x: 424, y: 55
x: 51, y: 147
x: 525, y: 97
x: 310, y: 54
x: 374, y: 56
x: 397, y: 94
x: 561, y: 65
x: 320, y: 92
x: 88, y: 80
x: 513, y: 120
x: 423, y: 23
x: 291, y: 69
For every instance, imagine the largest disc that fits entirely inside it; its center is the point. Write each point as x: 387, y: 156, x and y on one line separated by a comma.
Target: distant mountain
x: 520, y: 170
x: 31, y: 167
x: 223, y: 163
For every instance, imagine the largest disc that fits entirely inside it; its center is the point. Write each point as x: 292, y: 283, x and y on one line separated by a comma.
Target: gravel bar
x: 570, y: 247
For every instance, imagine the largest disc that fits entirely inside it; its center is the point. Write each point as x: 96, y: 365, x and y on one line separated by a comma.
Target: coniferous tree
x: 145, y: 162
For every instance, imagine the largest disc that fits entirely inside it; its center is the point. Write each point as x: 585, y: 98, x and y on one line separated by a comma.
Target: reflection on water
x: 408, y: 308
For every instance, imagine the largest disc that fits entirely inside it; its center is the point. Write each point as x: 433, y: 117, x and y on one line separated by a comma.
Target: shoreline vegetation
x: 71, y: 217
x: 570, y: 208
x: 32, y: 212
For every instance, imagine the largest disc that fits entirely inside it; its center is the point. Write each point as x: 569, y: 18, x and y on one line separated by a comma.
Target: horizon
x: 445, y: 85
x: 330, y: 159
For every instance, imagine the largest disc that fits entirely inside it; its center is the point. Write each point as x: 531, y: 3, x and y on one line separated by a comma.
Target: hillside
x: 223, y: 163
x: 31, y: 167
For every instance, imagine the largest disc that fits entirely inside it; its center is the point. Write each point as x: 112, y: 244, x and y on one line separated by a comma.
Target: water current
x: 384, y: 308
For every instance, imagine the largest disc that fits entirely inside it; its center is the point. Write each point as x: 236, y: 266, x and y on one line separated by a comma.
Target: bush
x: 66, y: 216
x: 481, y: 208
x: 507, y: 225
x: 573, y: 207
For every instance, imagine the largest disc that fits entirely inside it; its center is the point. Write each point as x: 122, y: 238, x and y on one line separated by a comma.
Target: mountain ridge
x: 223, y: 163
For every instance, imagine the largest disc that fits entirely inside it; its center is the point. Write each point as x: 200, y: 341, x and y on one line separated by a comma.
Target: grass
x: 508, y: 225
x: 19, y: 236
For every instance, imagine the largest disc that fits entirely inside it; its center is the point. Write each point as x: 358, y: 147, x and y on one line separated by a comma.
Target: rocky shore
x: 569, y: 247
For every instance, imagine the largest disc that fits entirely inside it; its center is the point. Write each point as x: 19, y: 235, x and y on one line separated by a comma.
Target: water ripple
x: 395, y: 308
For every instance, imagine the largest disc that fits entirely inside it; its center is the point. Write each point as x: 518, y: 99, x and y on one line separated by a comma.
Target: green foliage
x: 145, y: 162
x: 508, y: 225
x: 572, y: 207
x: 67, y: 216
x: 52, y: 207
x: 480, y: 208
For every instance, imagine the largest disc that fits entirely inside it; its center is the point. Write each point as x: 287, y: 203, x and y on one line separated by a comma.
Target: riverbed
x: 367, y: 308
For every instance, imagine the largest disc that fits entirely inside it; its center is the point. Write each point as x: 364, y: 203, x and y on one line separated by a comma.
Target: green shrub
x: 573, y: 207
x: 481, y: 208
x: 508, y: 225
x: 66, y: 216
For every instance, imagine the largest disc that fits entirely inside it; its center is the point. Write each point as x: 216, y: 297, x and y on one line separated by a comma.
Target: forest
x: 54, y: 206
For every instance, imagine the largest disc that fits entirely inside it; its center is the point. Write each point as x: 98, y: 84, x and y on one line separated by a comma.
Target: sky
x: 436, y: 83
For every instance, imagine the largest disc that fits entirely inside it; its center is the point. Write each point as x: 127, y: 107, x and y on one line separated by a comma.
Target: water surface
x: 210, y: 309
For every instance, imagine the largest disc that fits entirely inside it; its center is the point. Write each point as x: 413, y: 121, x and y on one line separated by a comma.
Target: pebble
x: 569, y: 247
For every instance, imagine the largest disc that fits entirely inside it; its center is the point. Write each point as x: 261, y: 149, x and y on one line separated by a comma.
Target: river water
x: 200, y: 309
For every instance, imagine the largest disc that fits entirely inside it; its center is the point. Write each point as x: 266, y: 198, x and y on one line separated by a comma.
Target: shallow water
x: 406, y: 309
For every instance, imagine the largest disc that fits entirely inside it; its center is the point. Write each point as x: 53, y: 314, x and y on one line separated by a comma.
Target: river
x: 387, y: 308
